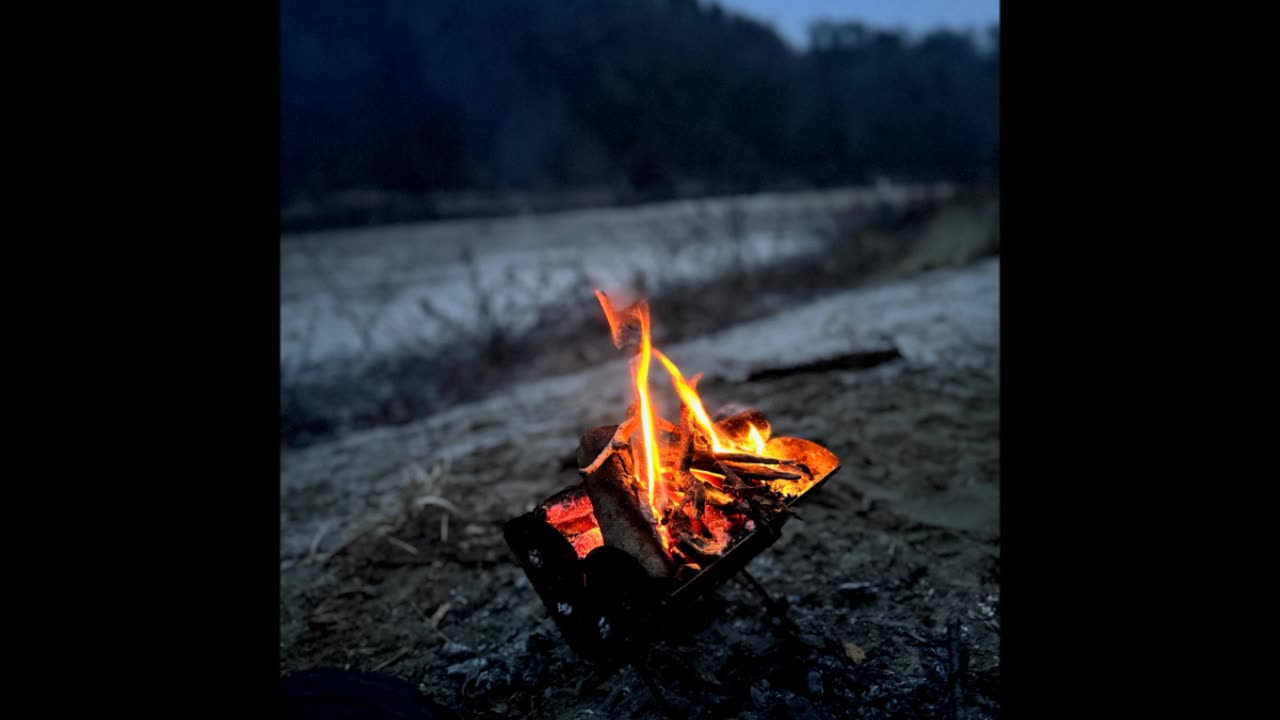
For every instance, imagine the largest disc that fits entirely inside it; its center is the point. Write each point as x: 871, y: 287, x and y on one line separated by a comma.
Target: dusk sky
x: 792, y: 17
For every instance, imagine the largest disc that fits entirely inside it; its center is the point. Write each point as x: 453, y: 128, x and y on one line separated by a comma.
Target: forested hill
x: 648, y: 95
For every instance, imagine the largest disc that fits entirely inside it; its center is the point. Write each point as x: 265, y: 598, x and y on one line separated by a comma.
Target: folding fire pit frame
x: 605, y: 602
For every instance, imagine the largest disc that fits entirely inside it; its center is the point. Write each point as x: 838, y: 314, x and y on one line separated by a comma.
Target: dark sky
x: 792, y: 17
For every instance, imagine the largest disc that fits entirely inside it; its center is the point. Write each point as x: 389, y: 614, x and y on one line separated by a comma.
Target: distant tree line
x: 647, y: 95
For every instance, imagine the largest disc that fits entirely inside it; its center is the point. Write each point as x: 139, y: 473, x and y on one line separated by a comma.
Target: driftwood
x: 848, y: 361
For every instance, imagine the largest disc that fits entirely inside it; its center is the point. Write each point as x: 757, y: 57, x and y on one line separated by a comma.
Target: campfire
x: 667, y: 508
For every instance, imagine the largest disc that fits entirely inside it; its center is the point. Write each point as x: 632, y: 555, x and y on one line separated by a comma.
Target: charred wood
x: 622, y: 515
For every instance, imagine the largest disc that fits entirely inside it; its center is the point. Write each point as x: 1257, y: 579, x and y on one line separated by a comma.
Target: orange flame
x: 646, y: 409
x: 619, y: 322
x: 691, y: 400
x: 688, y: 393
x: 630, y: 326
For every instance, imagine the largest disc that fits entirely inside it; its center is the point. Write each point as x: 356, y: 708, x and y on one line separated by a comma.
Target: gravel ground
x: 392, y: 556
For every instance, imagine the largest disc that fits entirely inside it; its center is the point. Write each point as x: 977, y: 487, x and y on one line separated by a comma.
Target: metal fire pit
x: 605, y: 604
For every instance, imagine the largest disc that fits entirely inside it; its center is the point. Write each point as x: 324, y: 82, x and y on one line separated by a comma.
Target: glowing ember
x: 568, y: 510
x: 588, y: 541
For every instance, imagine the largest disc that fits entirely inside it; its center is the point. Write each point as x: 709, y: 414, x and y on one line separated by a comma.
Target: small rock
x: 857, y: 592
x: 760, y: 696
x: 813, y: 640
x: 855, y: 653
x: 455, y: 650
x: 815, y: 683
x: 798, y: 707
x: 466, y: 667
x: 537, y: 642
x: 937, y: 673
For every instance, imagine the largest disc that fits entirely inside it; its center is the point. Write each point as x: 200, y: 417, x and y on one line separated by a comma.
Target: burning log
x: 621, y: 514
x: 743, y: 469
x: 738, y: 422
x: 810, y: 456
x: 735, y: 482
x: 690, y: 543
x: 749, y: 459
x: 619, y: 441
x: 687, y: 439
x: 761, y: 472
x: 694, y: 492
x: 696, y: 547
x: 682, y: 463
x: 724, y: 501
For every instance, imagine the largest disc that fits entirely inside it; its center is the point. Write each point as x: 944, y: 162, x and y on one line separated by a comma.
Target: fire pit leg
x: 776, y: 609
x: 595, y: 680
x: 654, y: 690
x: 638, y: 661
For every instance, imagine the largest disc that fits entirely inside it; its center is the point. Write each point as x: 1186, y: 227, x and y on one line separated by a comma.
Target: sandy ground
x: 392, y: 556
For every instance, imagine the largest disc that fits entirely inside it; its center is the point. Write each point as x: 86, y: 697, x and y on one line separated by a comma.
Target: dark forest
x: 391, y: 108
